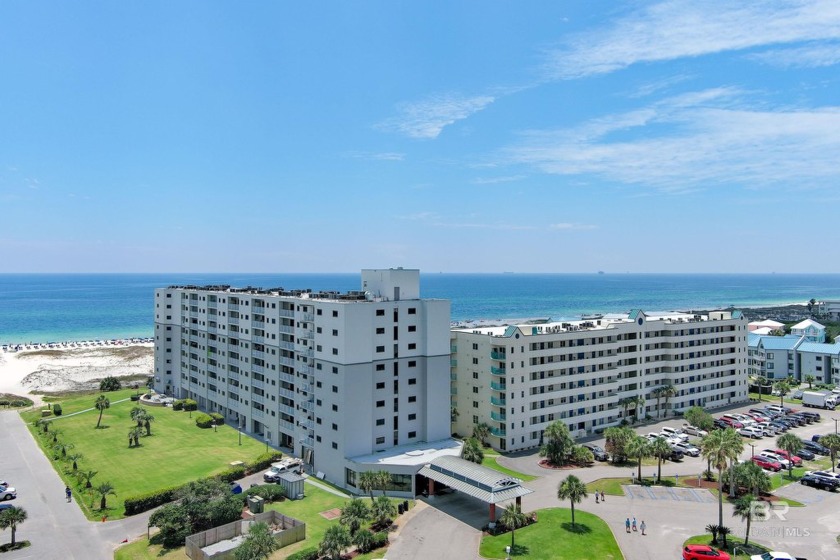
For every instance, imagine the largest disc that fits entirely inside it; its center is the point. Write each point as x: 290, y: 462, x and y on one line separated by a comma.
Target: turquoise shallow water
x: 58, y: 307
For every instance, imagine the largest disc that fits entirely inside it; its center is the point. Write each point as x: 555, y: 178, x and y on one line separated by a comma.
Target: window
x: 335, y: 427
x: 412, y: 381
x: 335, y: 408
x: 475, y: 346
x: 318, y: 348
x: 380, y: 349
x: 380, y: 404
x: 475, y: 361
x: 412, y: 399
x: 380, y: 367
x: 335, y: 351
x: 412, y: 416
x: 412, y: 363
x: 380, y: 385
x: 412, y: 434
x: 412, y: 311
x: 412, y: 328
x: 318, y: 438
x: 475, y: 390
x: 335, y: 369
x: 318, y: 421
x: 334, y: 445
x: 475, y: 375
x: 335, y: 313
x: 335, y: 388
x: 380, y: 330
x: 335, y: 332
x: 318, y: 312
x: 380, y: 440
x: 475, y: 404
x: 380, y: 421
x: 380, y: 313
x: 412, y: 346
x: 318, y: 330
x: 318, y: 384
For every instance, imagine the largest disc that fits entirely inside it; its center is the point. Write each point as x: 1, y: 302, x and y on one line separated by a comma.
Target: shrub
x: 231, y: 474
x: 268, y: 492
x: 178, y: 405
x: 305, y: 554
x: 135, y: 397
x: 219, y: 418
x: 21, y: 403
x: 203, y: 420
x: 190, y: 404
x: 110, y: 383
x: 150, y: 500
x: 380, y: 539
x: 56, y: 409
x: 5, y: 402
x: 263, y: 462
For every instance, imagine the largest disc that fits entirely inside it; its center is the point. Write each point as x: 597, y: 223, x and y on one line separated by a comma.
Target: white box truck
x: 817, y: 399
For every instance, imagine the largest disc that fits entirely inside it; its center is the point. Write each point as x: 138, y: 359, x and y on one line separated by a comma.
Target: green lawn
x: 732, y: 542
x: 554, y: 537
x: 491, y: 463
x: 307, y: 510
x: 610, y: 486
x: 781, y: 478
x: 176, y: 452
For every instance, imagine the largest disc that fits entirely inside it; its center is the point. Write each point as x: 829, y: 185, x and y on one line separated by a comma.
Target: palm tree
x: 86, y: 476
x: 134, y: 435
x: 713, y: 529
x: 137, y: 414
x: 616, y: 442
x: 354, y: 514
x: 809, y: 379
x: 832, y: 442
x: 336, y: 539
x: 718, y: 448
x: 762, y: 382
x: 383, y: 511
x: 513, y: 519
x: 101, y: 404
x: 723, y: 531
x: 55, y: 433
x: 791, y: 444
x: 258, y: 545
x: 668, y: 393
x: 147, y: 423
x: 558, y: 443
x: 481, y: 432
x: 63, y: 448
x: 383, y: 480
x: 625, y: 403
x: 75, y: 458
x: 43, y: 423
x: 753, y: 478
x: 104, y: 490
x: 10, y: 518
x: 571, y: 488
x: 638, y: 448
x: 782, y: 387
x: 367, y: 482
x: 363, y: 539
x: 661, y: 449
x: 472, y: 451
x: 657, y: 394
x: 640, y: 404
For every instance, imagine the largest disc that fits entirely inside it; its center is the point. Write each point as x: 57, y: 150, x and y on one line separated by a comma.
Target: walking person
x: 627, y: 524
x: 634, y: 524
x: 602, y: 495
x: 596, y: 497
x: 68, y: 493
x: 642, y: 526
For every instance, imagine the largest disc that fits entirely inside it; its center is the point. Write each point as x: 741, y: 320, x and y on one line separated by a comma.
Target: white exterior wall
x: 780, y: 364
x: 520, y: 380
x: 818, y: 365
x: 301, y: 370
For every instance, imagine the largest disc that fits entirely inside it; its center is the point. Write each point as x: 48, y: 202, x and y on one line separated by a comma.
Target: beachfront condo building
x: 594, y: 373
x: 347, y: 381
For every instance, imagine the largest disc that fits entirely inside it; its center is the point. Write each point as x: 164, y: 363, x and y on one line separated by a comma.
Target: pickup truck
x: 286, y: 465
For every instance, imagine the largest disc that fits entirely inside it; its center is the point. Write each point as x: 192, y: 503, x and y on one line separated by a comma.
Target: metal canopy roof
x: 480, y: 482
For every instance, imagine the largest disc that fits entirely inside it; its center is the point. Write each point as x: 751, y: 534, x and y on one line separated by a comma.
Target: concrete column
x: 431, y: 487
x: 492, y: 513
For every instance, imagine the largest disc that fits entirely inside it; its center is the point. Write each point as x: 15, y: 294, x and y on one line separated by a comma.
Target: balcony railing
x: 498, y: 417
x: 496, y: 401
x: 498, y: 371
x: 498, y: 386
x: 498, y: 432
x: 498, y: 355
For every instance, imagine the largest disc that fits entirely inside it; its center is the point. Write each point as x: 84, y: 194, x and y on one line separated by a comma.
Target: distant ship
x: 600, y: 272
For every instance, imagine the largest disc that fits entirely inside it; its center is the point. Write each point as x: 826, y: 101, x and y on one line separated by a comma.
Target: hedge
x: 305, y: 554
x: 178, y: 405
x: 219, y: 418
x: 231, y: 474
x: 262, y: 462
x: 203, y: 420
x: 268, y: 492
x: 185, y: 404
x: 150, y: 500
x: 56, y: 409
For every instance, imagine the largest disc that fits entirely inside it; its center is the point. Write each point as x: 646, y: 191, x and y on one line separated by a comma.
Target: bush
x: 203, y: 421
x: 233, y: 473
x: 21, y: 403
x: 135, y: 397
x: 56, y: 409
x: 178, y: 405
x: 263, y: 462
x: 219, y: 418
x: 380, y: 539
x: 268, y: 492
x: 110, y: 383
x: 305, y: 554
x: 150, y: 500
x: 5, y: 402
x: 190, y: 404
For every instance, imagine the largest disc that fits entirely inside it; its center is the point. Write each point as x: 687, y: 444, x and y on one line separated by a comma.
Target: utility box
x: 256, y: 504
x: 292, y: 484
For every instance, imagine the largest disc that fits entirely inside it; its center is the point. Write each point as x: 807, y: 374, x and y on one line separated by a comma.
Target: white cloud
x: 685, y: 28
x: 377, y: 156
x: 426, y: 119
x: 696, y: 141
x: 566, y: 226
x: 809, y: 56
x: 497, y: 180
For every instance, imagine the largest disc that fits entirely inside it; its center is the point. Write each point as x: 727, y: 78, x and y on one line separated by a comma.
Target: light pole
x: 240, y: 431
x: 835, y: 424
x: 214, y: 426
x: 753, y: 449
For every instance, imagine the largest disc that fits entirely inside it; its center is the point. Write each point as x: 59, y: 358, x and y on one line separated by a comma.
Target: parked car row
x: 769, y: 421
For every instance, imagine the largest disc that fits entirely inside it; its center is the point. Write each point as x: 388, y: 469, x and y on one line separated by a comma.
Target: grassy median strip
x: 491, y: 463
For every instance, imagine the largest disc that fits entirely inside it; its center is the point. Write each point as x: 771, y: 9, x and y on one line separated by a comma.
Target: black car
x: 816, y: 437
x: 815, y: 447
x: 795, y: 420
x: 780, y: 426
x: 676, y: 454
x: 597, y: 451
x: 820, y: 481
x: 802, y: 416
x: 720, y: 425
x: 815, y: 416
x: 805, y: 454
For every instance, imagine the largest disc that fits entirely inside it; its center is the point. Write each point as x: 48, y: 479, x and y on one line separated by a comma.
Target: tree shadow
x: 519, y: 550
x: 103, y: 427
x: 577, y: 528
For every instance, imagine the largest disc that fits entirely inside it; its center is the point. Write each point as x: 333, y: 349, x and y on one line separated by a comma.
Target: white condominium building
x: 331, y: 376
x: 591, y: 374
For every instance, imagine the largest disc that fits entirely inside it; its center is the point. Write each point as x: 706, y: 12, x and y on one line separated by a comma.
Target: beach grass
x: 177, y: 451
x: 553, y: 536
x: 308, y: 510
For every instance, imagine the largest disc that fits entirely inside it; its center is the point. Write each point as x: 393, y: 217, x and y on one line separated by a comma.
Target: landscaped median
x: 732, y: 544
x: 490, y: 461
x: 553, y: 536
x: 177, y: 451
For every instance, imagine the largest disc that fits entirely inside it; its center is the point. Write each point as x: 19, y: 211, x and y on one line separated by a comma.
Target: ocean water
x: 63, y: 307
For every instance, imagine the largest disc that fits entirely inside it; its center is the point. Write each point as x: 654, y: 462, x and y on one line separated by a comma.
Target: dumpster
x: 255, y: 504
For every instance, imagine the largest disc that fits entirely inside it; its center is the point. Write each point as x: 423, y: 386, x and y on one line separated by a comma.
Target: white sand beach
x: 71, y: 368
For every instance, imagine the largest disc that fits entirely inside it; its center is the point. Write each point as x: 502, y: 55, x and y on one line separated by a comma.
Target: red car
x: 758, y: 417
x: 766, y: 463
x: 702, y: 552
x: 797, y: 460
x: 731, y: 423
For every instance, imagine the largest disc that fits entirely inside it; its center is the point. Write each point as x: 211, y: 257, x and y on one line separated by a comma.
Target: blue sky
x: 673, y: 136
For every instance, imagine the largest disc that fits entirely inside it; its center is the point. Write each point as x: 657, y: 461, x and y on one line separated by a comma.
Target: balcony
x: 496, y: 401
x: 498, y: 432
x: 501, y: 356
x: 498, y: 371
x: 498, y: 417
x: 498, y: 386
